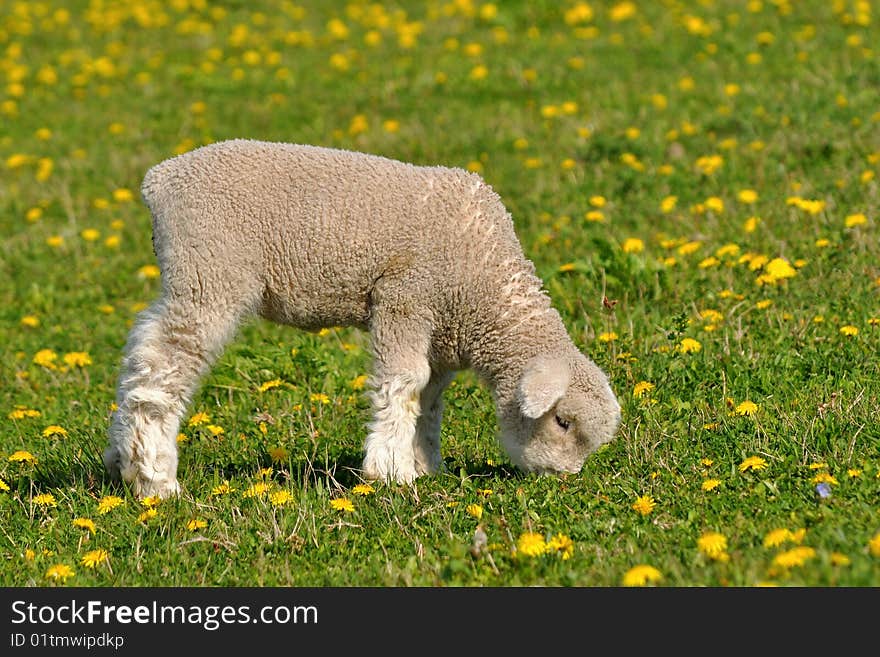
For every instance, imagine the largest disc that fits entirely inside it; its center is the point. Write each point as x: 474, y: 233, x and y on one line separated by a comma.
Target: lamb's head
x: 563, y: 411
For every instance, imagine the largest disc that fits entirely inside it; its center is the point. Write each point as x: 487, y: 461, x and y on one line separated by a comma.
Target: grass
x: 709, y: 168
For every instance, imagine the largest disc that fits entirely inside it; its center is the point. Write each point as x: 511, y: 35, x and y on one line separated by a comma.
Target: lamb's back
x: 321, y: 226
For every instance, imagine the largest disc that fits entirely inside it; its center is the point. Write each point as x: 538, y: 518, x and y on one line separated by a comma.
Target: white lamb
x: 426, y: 258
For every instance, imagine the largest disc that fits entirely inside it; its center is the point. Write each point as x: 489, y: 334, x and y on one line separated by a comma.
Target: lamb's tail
x: 156, y: 182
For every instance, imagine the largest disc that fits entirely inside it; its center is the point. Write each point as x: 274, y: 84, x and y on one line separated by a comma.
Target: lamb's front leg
x: 427, y: 441
x: 401, y: 373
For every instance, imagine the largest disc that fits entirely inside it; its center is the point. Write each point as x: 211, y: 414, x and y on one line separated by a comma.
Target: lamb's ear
x: 543, y: 382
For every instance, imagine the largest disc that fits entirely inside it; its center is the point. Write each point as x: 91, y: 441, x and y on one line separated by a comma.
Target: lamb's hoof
x: 384, y: 465
x: 162, y: 489
x: 113, y: 463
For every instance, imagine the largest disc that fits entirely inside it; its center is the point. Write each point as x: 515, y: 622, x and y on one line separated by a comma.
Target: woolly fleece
x: 424, y: 257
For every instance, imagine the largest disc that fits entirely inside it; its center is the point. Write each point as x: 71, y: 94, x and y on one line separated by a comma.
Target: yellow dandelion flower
x: 108, y: 503
x: 4, y: 487
x: 689, y: 346
x: 319, y: 397
x: 215, y: 430
x: 644, y: 504
x: 196, y: 524
x: 77, y: 359
x: 633, y: 245
x: 668, y: 204
x: 562, y: 544
x: 342, y: 504
x: 715, y: 204
x: 622, y: 11
x: 359, y: 382
x: 641, y: 575
x: 31, y: 321
x: 198, y: 418
x: 123, y: 195
x: 824, y: 478
x: 84, y: 523
x: 711, y: 316
x: 779, y: 269
x: 21, y: 413
x: 280, y: 498
x: 839, y: 559
x: 689, y: 247
x: 18, y: 160
x: 478, y: 72
x: 709, y: 164
x: 257, y: 490
x: 747, y: 196
x: 764, y: 304
x: 874, y: 545
x: 363, y: 489
x: 223, y: 489
x: 54, y: 430
x: 607, y: 336
x: 853, y: 220
x: 278, y: 454
x: 581, y: 12
x: 707, y: 263
x: 149, y: 272
x: 45, y: 499
x: 94, y: 558
x: 752, y: 463
x: 849, y: 330
x: 22, y: 456
x: 151, y: 501
x: 710, y: 484
x: 642, y: 387
x: 798, y: 535
x: 474, y: 510
x: 45, y: 358
x: 729, y: 249
x: 746, y: 408
x: 147, y: 515
x: 853, y: 472
x: 776, y: 537
x: 531, y: 544
x: 713, y: 545
x: 751, y: 224
x: 797, y: 556
x: 268, y: 385
x: 60, y: 572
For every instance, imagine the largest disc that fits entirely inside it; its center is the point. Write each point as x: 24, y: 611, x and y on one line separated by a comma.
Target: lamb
x: 424, y: 257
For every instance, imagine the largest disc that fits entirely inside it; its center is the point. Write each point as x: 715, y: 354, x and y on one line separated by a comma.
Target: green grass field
x: 708, y: 168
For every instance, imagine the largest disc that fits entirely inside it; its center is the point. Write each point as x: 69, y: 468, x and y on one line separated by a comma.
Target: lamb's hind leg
x: 170, y: 347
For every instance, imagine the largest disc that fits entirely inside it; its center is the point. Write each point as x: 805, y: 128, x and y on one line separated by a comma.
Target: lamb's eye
x: 563, y: 424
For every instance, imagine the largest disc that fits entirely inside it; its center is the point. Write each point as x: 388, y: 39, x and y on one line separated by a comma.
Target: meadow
x: 696, y: 183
